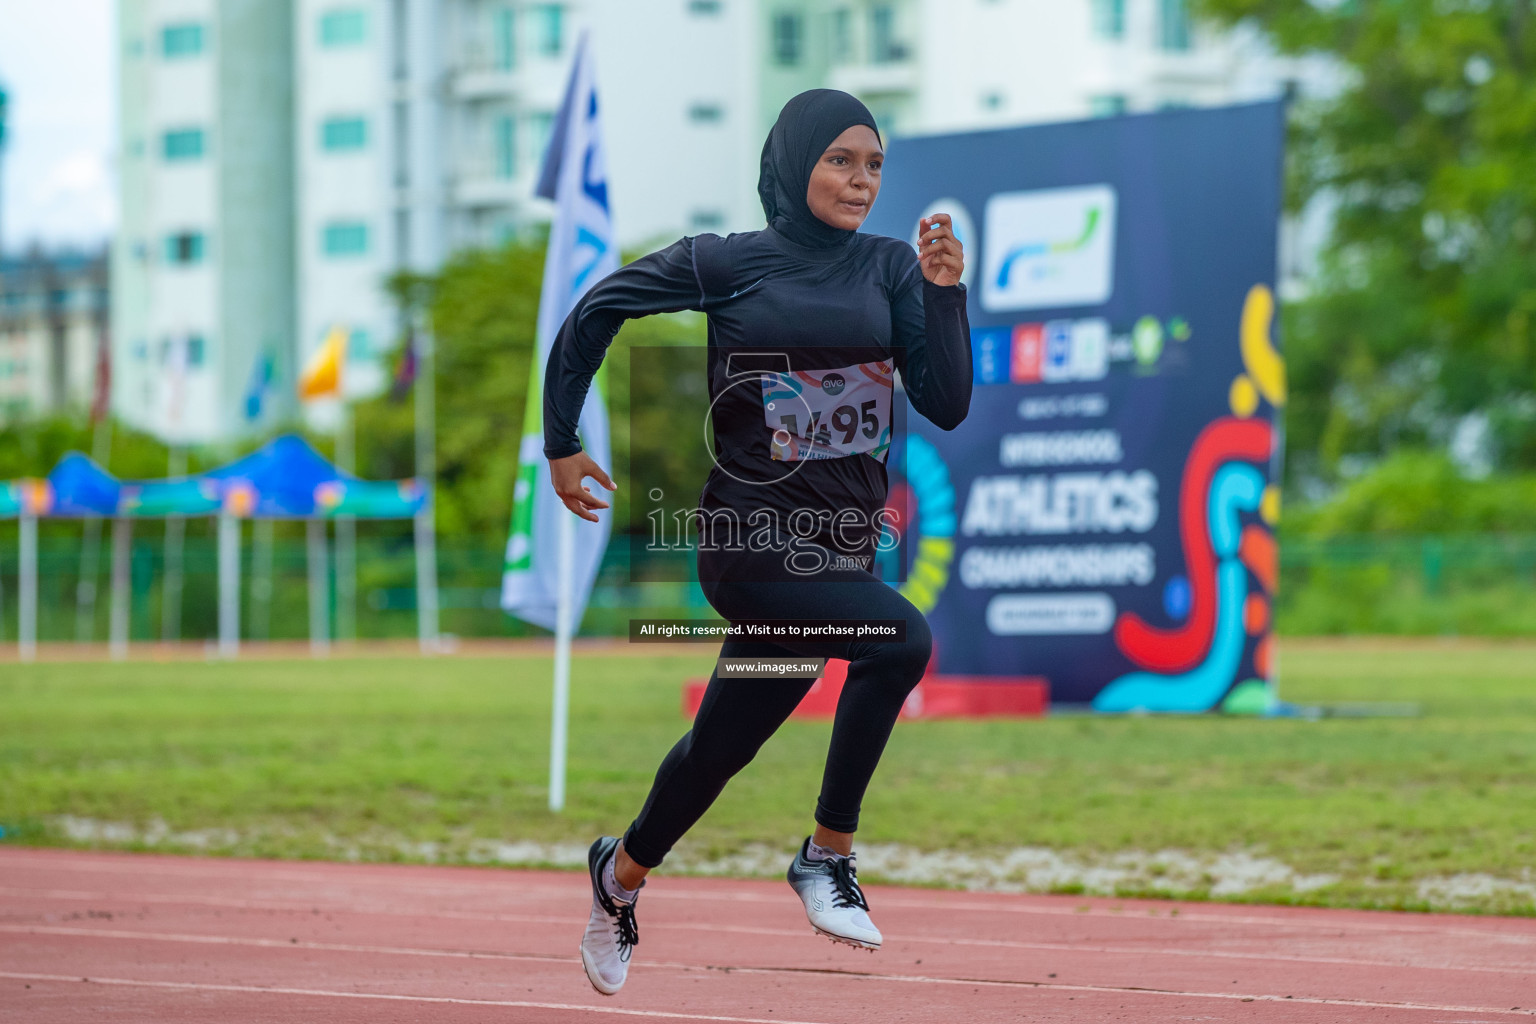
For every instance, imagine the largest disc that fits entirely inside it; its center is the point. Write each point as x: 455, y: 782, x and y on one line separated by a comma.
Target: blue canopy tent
x: 287, y: 479
x: 82, y: 488
x: 290, y: 480
x: 284, y: 479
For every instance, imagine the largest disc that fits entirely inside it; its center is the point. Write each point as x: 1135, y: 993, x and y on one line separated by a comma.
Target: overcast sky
x: 58, y: 61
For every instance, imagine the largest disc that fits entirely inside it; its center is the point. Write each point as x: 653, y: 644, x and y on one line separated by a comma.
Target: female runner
x: 806, y: 319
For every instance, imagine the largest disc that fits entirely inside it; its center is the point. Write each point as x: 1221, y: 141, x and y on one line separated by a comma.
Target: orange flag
x: 322, y: 373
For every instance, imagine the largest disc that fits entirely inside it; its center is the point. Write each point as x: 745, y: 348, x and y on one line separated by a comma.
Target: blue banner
x: 1105, y: 517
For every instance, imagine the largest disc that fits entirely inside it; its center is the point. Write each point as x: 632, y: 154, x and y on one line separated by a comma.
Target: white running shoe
x: 833, y: 900
x: 611, y: 933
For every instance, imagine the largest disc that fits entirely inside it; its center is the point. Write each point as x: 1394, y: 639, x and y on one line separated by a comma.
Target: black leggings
x: 738, y: 715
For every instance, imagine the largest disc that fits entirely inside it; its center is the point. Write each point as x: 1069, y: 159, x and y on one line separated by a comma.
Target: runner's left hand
x: 939, y: 252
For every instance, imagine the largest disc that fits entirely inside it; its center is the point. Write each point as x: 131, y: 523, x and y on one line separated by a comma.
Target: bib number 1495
x: 829, y: 414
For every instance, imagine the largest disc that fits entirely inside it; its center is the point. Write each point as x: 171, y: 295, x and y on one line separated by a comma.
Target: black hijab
x: 807, y: 125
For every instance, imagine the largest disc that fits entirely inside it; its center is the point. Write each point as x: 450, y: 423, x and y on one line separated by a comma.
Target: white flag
x: 581, y: 252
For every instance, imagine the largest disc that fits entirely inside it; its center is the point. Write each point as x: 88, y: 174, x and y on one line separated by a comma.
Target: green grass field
x: 401, y: 759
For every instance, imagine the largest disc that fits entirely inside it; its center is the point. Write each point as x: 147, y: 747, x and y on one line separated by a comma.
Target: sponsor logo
x: 1066, y: 350
x: 833, y: 383
x: 1090, y: 349
x: 989, y: 353
x: 1147, y: 340
x: 1057, y: 363
x: 1028, y: 351
x: 1049, y: 248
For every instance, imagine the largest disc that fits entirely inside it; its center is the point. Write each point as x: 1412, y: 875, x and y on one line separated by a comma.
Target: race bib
x: 829, y: 414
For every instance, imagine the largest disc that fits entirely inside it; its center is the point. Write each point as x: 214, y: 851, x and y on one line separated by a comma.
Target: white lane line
x: 236, y: 940
x: 918, y: 979
x: 778, y: 971
x: 1060, y: 947
x: 1003, y: 903
x: 527, y: 1004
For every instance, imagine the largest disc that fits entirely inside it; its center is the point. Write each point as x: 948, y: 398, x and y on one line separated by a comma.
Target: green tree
x: 483, y: 306
x: 1425, y: 310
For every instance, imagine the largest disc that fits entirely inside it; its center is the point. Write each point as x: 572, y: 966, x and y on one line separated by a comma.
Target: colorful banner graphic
x: 1105, y: 517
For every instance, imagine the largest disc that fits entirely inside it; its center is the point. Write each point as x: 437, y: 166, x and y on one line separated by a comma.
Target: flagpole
x: 322, y: 377
x: 346, y: 532
x: 564, y: 613
x: 426, y: 472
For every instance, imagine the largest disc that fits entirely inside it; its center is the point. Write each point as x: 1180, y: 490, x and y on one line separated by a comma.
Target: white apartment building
x: 203, y: 261
x: 283, y: 157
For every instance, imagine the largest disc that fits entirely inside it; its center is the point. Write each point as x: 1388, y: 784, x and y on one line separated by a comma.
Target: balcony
x: 1207, y: 65
x: 484, y: 82
x: 895, y: 72
x: 478, y: 181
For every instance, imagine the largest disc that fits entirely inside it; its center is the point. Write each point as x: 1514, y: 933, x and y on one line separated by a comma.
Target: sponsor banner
x: 1105, y: 516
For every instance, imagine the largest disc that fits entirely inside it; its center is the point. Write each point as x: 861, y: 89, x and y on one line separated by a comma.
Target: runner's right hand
x: 567, y: 475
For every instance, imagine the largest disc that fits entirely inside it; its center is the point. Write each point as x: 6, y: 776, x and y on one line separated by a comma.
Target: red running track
x: 130, y: 937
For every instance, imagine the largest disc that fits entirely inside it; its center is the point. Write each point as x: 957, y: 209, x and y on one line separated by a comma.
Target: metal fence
x: 1464, y: 584
x: 73, y: 600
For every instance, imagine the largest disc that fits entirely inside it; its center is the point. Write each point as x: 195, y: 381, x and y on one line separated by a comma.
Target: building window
x: 195, y: 350
x: 503, y: 39
x: 842, y: 34
x: 359, y: 344
x: 1173, y: 24
x: 541, y: 125
x: 1107, y: 106
x: 185, y: 248
x: 181, y: 40
x: 786, y: 38
x: 506, y: 146
x: 343, y: 26
x: 883, y: 46
x: 345, y: 238
x: 706, y: 113
x: 704, y: 8
x: 341, y: 134
x: 183, y: 144
x: 703, y: 220
x: 1109, y: 19
x: 548, y: 28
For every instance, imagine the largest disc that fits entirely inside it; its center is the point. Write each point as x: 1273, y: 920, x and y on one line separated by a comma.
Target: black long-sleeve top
x: 826, y: 324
